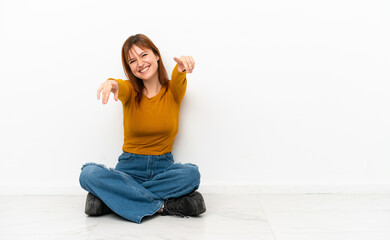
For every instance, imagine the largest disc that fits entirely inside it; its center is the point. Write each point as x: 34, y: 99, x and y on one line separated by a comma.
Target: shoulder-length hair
x: 142, y: 42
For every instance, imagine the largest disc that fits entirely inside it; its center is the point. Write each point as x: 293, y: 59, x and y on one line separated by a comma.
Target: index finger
x: 177, y: 60
x: 99, y: 91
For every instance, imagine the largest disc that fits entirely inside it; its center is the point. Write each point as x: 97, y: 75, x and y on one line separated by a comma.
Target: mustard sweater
x: 151, y: 128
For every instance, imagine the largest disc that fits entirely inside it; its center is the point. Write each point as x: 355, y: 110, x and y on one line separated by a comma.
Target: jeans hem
x: 159, y: 205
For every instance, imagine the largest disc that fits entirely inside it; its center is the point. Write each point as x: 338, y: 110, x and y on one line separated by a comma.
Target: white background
x: 284, y: 93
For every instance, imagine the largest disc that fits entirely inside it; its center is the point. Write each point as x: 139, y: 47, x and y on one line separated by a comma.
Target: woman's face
x: 143, y: 63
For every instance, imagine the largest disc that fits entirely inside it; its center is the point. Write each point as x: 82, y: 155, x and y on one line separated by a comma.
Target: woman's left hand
x: 185, y: 63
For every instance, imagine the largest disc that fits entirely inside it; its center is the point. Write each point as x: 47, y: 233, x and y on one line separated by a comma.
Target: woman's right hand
x: 107, y: 87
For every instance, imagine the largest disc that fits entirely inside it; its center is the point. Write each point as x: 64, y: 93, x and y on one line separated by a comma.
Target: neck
x: 152, y: 86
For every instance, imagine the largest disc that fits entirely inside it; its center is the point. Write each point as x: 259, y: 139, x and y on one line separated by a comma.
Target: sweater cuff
x: 176, y: 75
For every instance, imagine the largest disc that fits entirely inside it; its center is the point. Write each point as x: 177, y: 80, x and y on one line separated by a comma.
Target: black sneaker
x: 95, y: 207
x: 188, y: 205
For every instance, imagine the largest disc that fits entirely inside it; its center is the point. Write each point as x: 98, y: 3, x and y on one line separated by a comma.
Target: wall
x: 284, y: 93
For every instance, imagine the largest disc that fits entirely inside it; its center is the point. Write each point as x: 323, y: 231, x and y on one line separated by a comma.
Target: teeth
x: 144, y: 70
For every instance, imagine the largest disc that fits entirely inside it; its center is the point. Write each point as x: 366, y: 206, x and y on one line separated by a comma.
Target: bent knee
x: 192, y: 174
x: 90, y: 173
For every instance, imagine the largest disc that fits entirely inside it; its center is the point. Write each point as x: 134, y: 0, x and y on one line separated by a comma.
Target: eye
x: 144, y: 55
x: 132, y: 61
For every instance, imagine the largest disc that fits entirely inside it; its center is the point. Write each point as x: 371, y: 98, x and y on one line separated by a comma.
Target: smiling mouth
x: 144, y: 70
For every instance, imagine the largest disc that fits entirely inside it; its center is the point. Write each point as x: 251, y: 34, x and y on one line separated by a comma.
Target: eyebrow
x: 138, y: 55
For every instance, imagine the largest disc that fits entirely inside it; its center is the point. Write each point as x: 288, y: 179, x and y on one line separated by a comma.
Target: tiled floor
x: 236, y: 216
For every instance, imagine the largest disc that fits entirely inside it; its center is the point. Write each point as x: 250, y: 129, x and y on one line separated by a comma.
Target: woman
x: 145, y: 180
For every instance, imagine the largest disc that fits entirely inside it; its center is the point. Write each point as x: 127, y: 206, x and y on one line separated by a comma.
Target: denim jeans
x: 139, y: 184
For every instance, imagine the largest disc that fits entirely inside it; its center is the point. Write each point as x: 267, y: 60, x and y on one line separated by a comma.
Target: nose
x: 140, y: 63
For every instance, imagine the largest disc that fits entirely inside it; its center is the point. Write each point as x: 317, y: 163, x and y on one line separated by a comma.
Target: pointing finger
x: 106, y: 94
x: 103, y: 97
x: 177, y: 60
x: 116, y: 95
x: 99, y: 91
x: 180, y: 63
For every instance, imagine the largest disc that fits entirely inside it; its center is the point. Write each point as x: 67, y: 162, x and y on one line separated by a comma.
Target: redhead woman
x: 146, y: 179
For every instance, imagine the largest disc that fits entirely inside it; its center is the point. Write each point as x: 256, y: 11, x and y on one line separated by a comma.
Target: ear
x: 157, y: 57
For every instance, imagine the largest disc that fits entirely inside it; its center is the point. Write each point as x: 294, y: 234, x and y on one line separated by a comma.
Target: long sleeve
x: 152, y: 127
x: 179, y: 84
x: 124, y: 89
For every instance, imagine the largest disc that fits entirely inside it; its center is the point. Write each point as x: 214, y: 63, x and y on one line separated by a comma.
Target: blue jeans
x: 139, y: 184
